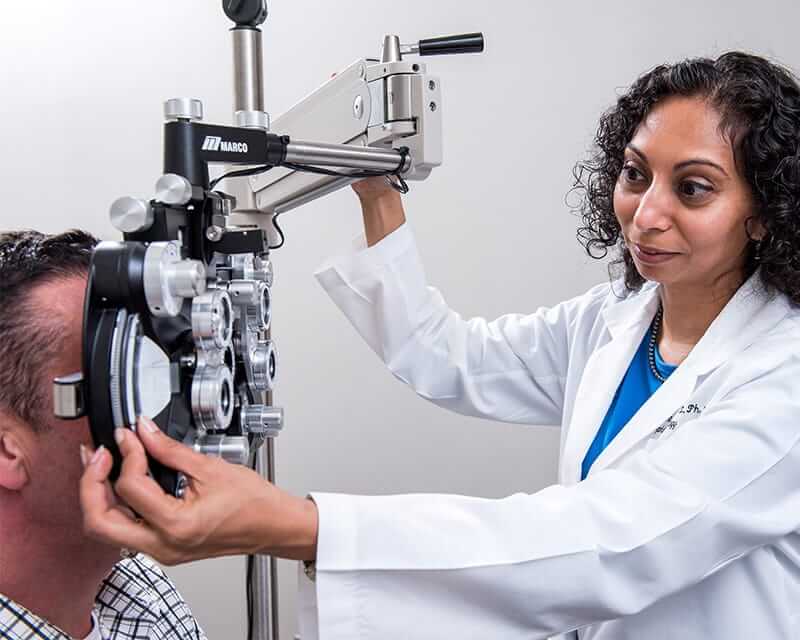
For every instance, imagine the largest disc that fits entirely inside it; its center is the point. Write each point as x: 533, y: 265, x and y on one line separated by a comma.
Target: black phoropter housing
x: 116, y: 290
x: 189, y: 147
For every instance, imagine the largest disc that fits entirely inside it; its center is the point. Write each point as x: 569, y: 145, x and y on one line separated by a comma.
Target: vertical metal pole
x: 249, y: 97
x: 248, y: 88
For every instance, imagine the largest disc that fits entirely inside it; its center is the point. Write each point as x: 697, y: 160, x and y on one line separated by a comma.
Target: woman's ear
x: 13, y: 471
x: 755, y: 229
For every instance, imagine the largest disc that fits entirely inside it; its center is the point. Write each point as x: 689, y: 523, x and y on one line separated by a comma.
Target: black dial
x: 246, y: 13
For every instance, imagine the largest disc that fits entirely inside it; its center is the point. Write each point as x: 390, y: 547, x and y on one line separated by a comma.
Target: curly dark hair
x: 29, y: 339
x: 759, y: 107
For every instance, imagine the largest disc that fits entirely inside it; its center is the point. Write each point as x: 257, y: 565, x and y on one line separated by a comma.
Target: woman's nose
x: 654, y: 210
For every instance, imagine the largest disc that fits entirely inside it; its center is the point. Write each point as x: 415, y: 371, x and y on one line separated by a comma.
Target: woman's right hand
x: 226, y: 509
x: 381, y: 207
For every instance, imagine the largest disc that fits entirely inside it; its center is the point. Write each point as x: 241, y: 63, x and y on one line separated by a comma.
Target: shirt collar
x: 19, y: 623
x: 123, y: 600
x: 119, y: 603
x: 97, y: 632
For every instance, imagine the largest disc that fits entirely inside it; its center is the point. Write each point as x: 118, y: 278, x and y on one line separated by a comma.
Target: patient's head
x: 42, y: 283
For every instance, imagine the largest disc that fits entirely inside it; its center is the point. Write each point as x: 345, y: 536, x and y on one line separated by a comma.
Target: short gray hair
x: 28, y: 340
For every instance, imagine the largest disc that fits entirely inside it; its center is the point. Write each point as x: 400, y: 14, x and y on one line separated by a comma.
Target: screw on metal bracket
x: 214, y: 233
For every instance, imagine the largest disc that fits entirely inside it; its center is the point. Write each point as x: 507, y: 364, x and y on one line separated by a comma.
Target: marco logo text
x: 215, y: 143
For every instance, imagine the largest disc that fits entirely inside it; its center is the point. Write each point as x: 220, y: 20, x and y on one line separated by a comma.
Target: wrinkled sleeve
x: 511, y: 369
x: 528, y: 566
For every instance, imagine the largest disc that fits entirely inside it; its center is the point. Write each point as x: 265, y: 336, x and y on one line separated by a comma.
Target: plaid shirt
x: 135, y: 602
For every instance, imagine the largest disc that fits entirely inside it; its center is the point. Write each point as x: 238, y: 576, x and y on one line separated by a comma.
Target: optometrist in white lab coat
x: 685, y: 526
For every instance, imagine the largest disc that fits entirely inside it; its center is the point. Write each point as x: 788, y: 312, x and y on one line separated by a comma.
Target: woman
x: 679, y: 490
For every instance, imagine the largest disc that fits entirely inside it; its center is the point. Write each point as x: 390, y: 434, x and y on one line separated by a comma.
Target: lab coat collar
x: 749, y: 313
x: 633, y: 310
x: 743, y: 318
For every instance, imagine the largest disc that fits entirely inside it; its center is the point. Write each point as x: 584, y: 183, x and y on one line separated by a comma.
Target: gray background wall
x: 81, y: 88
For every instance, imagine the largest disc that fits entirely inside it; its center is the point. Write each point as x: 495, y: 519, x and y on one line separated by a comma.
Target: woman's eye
x: 693, y: 189
x: 631, y: 173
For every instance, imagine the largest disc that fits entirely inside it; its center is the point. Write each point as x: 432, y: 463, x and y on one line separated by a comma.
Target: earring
x: 756, y: 242
x: 757, y: 249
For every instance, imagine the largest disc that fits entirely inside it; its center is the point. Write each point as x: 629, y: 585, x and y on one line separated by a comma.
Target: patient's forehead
x: 59, y: 299
x: 56, y: 310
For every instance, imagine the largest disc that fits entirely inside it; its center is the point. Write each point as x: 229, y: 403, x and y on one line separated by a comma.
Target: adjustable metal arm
x: 384, y: 105
x: 190, y: 146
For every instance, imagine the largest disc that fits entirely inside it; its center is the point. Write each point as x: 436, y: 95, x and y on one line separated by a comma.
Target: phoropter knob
x: 131, y: 215
x: 259, y: 419
x: 183, y: 109
x: 173, y: 189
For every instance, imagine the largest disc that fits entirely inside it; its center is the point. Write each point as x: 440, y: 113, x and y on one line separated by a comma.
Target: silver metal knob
x: 232, y: 449
x: 252, y: 119
x: 391, y: 49
x: 246, y: 266
x: 187, y: 278
x: 213, y: 398
x: 183, y: 109
x: 264, y: 360
x: 173, y: 189
x: 68, y: 397
x: 212, y: 319
x: 260, y: 419
x: 168, y: 279
x: 131, y: 215
x: 263, y: 316
x: 262, y: 270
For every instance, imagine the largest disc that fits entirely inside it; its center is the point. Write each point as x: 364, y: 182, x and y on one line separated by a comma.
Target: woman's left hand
x: 226, y: 509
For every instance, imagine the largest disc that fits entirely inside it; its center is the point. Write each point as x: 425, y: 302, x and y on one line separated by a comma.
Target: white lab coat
x: 686, y: 527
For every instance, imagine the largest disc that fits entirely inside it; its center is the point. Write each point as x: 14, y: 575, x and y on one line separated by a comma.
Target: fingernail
x: 84, y: 456
x: 119, y: 435
x: 97, y: 454
x: 148, y: 425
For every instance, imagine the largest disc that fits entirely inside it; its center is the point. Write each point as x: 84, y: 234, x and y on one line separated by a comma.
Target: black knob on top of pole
x: 246, y: 13
x: 463, y: 43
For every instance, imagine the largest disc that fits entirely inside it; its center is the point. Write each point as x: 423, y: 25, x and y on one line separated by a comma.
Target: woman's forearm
x: 382, y: 216
x: 381, y: 207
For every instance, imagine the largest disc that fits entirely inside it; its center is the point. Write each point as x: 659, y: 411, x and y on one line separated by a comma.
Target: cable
x: 394, y: 179
x: 250, y: 171
x: 280, y: 232
x: 307, y: 168
x: 401, y: 185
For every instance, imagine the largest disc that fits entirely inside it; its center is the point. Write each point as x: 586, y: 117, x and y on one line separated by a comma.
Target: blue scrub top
x: 636, y: 387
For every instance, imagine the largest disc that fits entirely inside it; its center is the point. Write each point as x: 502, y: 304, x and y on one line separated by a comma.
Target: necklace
x: 651, y: 348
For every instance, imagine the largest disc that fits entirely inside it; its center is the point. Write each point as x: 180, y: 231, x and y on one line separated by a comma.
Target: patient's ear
x: 13, y: 472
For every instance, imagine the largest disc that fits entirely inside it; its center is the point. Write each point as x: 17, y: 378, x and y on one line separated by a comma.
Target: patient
x: 55, y: 582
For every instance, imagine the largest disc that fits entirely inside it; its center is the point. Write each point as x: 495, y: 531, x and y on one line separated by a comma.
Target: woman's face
x: 680, y: 200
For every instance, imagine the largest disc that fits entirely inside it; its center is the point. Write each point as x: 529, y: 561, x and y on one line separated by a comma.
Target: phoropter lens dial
x: 212, y: 320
